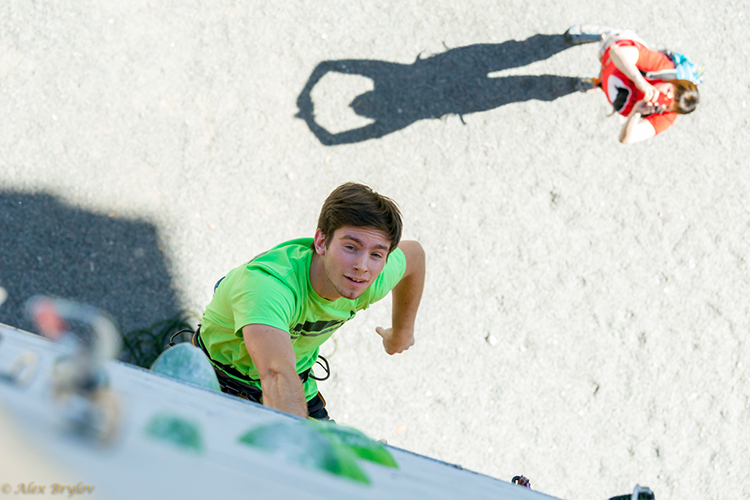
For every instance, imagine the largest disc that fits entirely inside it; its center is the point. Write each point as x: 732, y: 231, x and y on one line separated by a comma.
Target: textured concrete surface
x: 586, y: 311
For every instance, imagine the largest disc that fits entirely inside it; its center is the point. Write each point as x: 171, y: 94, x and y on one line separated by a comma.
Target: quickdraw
x: 521, y: 481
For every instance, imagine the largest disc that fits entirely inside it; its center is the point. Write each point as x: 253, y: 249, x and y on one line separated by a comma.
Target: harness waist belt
x: 229, y: 370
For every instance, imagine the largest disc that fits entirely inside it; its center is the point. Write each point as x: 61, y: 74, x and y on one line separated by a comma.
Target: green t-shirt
x: 274, y: 289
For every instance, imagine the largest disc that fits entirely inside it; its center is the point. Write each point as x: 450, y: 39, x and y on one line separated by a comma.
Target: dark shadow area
x: 112, y: 263
x: 454, y: 82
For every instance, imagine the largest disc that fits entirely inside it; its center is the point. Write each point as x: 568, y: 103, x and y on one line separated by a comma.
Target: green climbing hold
x: 303, y: 443
x: 175, y: 430
x: 187, y: 363
x: 359, y: 443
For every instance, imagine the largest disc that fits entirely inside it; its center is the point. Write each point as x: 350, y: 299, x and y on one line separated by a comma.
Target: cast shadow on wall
x: 453, y: 82
x: 116, y: 264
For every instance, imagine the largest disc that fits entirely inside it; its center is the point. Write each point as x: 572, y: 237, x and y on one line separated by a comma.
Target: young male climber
x: 269, y: 316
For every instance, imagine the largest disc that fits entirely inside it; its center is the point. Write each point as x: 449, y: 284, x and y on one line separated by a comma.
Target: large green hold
x: 175, y: 430
x: 361, y: 445
x: 187, y: 363
x: 305, y: 444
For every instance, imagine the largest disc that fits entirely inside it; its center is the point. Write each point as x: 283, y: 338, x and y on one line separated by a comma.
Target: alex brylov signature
x: 53, y: 488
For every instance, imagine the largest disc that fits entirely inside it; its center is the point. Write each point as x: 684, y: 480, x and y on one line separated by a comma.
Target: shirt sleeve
x: 652, y: 60
x: 661, y: 122
x: 389, y: 277
x: 261, y: 299
x: 648, y: 60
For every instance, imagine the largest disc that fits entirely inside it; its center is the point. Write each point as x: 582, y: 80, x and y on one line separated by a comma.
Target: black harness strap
x: 230, y: 373
x: 198, y: 342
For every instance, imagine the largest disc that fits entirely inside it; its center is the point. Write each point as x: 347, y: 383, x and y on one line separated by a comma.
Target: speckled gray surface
x: 586, y: 311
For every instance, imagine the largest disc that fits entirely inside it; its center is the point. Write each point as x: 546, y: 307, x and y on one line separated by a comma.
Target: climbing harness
x: 234, y: 383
